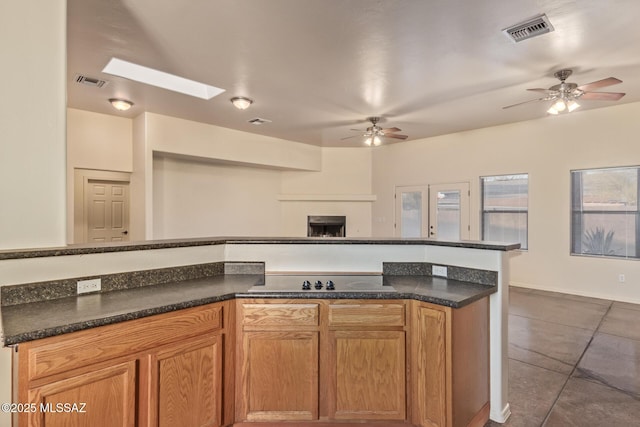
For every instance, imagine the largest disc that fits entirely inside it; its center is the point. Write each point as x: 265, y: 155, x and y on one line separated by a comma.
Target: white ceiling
x: 318, y: 68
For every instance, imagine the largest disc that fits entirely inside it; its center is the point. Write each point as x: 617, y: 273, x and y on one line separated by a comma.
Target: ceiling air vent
x: 258, y: 121
x: 528, y: 29
x: 90, y: 81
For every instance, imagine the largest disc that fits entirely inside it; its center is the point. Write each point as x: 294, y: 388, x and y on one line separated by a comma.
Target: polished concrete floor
x: 573, y: 361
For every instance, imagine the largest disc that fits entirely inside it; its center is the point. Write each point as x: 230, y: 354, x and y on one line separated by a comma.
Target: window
x: 505, y: 208
x: 604, y: 212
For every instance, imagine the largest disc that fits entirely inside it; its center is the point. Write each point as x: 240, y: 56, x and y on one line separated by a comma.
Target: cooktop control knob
x: 330, y: 285
x: 306, y: 285
x: 318, y: 284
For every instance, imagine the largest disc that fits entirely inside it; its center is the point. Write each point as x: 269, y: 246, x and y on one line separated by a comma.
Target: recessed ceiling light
x: 152, y: 77
x: 241, y: 103
x: 121, y: 104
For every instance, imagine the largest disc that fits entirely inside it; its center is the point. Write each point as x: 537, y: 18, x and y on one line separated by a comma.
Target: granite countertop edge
x: 84, y: 249
x: 478, y: 292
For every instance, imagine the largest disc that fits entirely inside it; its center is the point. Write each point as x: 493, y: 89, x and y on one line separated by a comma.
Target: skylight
x: 152, y: 77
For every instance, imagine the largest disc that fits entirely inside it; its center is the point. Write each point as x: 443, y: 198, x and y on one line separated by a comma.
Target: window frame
x: 505, y: 211
x: 578, y: 213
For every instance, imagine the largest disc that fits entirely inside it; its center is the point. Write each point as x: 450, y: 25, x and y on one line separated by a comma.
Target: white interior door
x: 449, y: 211
x: 411, y: 211
x: 107, y: 208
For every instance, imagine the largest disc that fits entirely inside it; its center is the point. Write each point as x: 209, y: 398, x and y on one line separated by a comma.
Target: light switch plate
x: 439, y: 270
x: 91, y: 285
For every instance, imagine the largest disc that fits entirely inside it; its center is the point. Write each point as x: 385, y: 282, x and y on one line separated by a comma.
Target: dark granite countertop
x: 83, y: 249
x: 26, y: 322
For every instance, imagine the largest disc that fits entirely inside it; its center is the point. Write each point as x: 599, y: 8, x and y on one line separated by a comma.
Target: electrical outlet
x: 439, y: 270
x: 91, y: 285
x: 621, y: 278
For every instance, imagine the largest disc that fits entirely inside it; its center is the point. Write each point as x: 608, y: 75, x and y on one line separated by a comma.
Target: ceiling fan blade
x: 358, y: 130
x: 599, y: 83
x: 349, y: 137
x: 396, y: 136
x: 602, y: 96
x: 546, y: 98
x: 394, y: 129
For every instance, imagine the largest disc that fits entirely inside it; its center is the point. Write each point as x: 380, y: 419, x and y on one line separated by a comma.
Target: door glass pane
x: 448, y: 215
x: 411, y: 220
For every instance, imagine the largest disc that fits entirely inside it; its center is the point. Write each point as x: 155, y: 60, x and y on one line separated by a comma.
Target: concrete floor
x: 573, y: 361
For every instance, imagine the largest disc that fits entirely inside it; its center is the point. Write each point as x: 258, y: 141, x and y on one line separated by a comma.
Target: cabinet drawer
x: 360, y: 314
x: 62, y: 353
x: 280, y: 314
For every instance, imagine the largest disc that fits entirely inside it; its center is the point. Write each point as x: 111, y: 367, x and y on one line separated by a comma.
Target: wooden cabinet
x: 450, y: 365
x: 280, y: 376
x: 384, y: 362
x: 156, y: 371
x: 304, y: 360
x: 366, y: 361
x: 368, y: 375
x: 186, y: 383
x: 102, y: 396
x: 277, y: 360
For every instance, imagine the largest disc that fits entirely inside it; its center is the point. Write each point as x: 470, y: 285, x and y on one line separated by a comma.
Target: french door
x: 437, y: 211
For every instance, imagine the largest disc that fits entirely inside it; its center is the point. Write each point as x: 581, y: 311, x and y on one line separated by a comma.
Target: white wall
x: 32, y: 119
x: 185, y: 137
x: 95, y: 141
x: 547, y: 149
x: 32, y: 147
x: 141, y: 215
x: 345, y: 172
x: 198, y: 198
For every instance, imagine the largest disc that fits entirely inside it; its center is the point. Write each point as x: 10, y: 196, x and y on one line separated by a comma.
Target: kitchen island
x: 413, y: 257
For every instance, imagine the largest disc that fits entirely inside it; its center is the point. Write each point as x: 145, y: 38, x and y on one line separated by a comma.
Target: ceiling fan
x: 374, y: 133
x: 565, y: 94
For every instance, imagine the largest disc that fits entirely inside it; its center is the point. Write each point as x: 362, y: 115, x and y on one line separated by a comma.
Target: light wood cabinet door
x: 102, y: 397
x: 186, y: 383
x: 429, y: 367
x: 367, y: 379
x: 279, y: 376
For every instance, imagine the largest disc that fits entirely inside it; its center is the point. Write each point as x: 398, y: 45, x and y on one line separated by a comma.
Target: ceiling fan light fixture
x: 241, y: 103
x: 376, y: 140
x: 560, y: 105
x: 563, y: 106
x: 121, y: 104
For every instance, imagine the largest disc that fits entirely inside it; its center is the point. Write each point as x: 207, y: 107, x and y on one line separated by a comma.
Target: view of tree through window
x: 605, y: 214
x: 505, y: 201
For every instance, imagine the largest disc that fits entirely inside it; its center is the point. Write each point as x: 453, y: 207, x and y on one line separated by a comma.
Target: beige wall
x: 99, y: 142
x: 199, y: 198
x: 547, y: 149
x: 345, y: 173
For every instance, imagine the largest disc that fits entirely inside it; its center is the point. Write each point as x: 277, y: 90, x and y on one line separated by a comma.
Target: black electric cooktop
x: 329, y: 282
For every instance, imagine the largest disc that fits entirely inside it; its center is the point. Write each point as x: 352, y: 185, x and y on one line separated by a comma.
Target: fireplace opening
x: 326, y: 226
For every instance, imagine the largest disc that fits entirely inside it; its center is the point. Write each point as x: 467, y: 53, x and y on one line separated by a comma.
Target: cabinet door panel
x: 430, y: 367
x: 104, y: 397
x: 189, y: 383
x: 279, y: 376
x: 369, y: 377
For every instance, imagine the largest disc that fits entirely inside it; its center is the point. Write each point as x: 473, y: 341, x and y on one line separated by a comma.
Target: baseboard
x: 324, y: 424
x: 573, y: 292
x: 481, y: 418
x: 500, y: 416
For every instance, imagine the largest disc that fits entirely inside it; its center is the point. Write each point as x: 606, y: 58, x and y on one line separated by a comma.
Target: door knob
x: 125, y: 232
